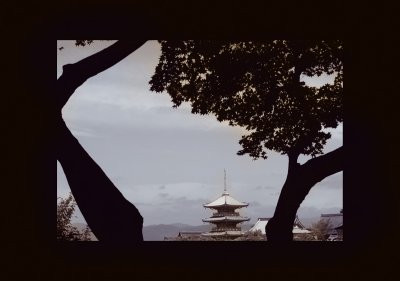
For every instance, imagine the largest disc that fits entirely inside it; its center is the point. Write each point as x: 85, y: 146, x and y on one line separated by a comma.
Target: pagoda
x: 225, y: 219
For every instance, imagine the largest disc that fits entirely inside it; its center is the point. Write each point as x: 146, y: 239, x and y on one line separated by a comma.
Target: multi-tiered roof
x: 226, y: 219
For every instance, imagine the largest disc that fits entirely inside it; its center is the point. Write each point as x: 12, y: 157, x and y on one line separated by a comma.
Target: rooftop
x: 224, y: 233
x: 225, y: 200
x: 262, y: 222
x: 335, y: 220
x: 227, y: 218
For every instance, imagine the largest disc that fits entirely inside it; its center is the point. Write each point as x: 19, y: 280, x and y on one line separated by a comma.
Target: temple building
x: 298, y: 227
x: 225, y: 218
x: 335, y: 230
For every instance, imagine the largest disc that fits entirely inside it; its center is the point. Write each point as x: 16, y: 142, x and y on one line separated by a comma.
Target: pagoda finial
x: 224, y: 180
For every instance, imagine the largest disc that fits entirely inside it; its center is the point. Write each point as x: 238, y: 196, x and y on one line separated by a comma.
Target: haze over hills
x: 159, y: 231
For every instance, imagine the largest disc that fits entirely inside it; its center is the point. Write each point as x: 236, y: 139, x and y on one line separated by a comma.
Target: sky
x: 167, y: 161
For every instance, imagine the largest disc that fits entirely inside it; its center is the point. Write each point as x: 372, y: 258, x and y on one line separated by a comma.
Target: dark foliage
x: 252, y: 236
x: 256, y: 85
x: 321, y: 228
x: 65, y: 230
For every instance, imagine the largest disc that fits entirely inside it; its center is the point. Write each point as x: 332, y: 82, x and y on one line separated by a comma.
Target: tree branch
x: 298, y: 183
x: 325, y: 165
x: 74, y: 75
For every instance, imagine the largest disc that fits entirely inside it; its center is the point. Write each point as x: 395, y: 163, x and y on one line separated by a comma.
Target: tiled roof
x: 227, y: 218
x: 334, y: 219
x: 223, y: 233
x: 225, y: 200
x: 262, y: 222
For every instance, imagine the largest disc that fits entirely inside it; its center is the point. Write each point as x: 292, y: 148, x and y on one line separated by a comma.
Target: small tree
x: 65, y: 230
x: 195, y: 238
x: 304, y: 237
x: 252, y: 236
x: 320, y: 229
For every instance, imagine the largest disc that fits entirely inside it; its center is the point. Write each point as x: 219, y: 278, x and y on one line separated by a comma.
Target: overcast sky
x: 166, y: 161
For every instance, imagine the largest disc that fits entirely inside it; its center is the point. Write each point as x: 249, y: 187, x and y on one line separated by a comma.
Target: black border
x: 31, y: 245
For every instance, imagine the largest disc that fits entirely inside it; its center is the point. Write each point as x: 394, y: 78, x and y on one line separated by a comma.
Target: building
x: 335, y: 229
x: 186, y: 234
x: 298, y: 227
x: 225, y: 218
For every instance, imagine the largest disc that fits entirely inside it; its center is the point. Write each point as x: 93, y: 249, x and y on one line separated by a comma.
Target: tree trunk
x: 109, y: 215
x: 299, y: 181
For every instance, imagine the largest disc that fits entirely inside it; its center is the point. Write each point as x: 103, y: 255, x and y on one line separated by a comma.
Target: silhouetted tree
x: 257, y: 85
x: 109, y: 215
x: 65, y: 230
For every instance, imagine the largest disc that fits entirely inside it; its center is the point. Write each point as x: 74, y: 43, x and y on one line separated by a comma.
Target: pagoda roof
x: 224, y: 233
x: 225, y: 200
x: 226, y: 218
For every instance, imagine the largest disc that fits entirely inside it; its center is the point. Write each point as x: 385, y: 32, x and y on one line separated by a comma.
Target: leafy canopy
x: 256, y: 85
x: 65, y: 230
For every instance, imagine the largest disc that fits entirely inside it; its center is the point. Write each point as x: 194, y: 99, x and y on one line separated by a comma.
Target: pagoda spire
x: 224, y: 180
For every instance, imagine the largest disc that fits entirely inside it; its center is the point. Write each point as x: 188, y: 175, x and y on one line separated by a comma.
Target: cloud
x: 179, y: 209
x: 169, y: 162
x: 266, y: 187
x: 163, y: 195
x: 320, y: 197
x: 334, y: 181
x: 275, y: 193
x: 316, y: 212
x: 254, y: 204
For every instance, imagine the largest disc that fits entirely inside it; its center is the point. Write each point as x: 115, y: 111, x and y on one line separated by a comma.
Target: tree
x: 252, y: 236
x: 320, y: 229
x: 304, y: 237
x: 65, y: 230
x: 193, y: 238
x: 257, y: 85
x: 109, y: 215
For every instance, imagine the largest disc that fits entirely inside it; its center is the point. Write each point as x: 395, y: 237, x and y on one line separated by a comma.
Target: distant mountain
x: 308, y: 221
x: 159, y: 231
x: 81, y: 227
